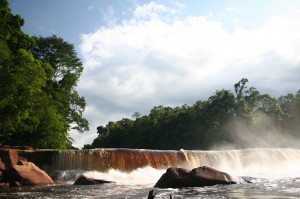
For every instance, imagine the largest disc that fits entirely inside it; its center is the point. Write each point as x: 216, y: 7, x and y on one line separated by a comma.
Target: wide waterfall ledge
x: 273, y: 161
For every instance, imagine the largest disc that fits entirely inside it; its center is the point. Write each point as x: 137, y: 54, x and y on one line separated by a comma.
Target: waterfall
x: 233, y: 161
x: 249, y: 161
x: 121, y: 159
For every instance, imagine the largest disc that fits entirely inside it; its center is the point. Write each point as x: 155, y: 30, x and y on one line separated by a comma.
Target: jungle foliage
x: 222, y: 120
x: 38, y: 76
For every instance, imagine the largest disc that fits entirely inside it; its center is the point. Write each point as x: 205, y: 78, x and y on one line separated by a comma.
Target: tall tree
x: 62, y: 79
x: 38, y: 76
x: 21, y: 77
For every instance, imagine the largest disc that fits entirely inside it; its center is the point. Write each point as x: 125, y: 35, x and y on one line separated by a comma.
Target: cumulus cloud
x: 151, y: 59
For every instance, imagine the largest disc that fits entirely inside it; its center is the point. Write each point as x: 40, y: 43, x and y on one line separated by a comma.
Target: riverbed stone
x: 197, y: 177
x: 83, y: 180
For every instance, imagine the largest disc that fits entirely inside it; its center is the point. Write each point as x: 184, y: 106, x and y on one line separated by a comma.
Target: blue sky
x: 140, y: 54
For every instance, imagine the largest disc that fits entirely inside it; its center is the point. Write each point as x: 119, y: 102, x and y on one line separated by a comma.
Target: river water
x: 273, y: 173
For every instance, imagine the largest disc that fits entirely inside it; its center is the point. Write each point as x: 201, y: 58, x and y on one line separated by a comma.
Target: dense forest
x: 239, y: 119
x: 39, y: 103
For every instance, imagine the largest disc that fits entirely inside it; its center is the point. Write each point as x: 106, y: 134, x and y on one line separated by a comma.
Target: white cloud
x: 232, y: 9
x: 150, y: 60
x: 152, y: 10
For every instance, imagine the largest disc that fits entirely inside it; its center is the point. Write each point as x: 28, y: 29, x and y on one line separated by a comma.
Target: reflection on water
x: 71, y: 191
x: 265, y: 189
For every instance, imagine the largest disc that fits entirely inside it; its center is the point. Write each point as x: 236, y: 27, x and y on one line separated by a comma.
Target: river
x: 272, y: 173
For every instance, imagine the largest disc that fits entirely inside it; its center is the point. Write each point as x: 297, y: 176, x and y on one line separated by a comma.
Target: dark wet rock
x: 9, y: 157
x: 82, y: 180
x: 151, y: 194
x: 248, y: 179
x: 198, y: 177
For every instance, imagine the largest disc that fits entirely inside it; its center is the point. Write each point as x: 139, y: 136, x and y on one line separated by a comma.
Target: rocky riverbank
x: 16, y: 171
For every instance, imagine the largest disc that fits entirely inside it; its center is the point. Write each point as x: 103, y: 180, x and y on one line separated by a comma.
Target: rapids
x: 121, y: 164
x: 273, y: 173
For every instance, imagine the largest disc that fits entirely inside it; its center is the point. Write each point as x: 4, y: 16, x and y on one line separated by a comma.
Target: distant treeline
x: 38, y: 77
x: 226, y: 119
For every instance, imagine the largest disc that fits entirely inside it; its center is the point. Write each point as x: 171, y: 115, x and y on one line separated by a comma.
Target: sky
x: 138, y: 54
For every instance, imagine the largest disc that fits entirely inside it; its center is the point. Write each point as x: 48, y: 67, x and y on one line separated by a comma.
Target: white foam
x: 141, y: 176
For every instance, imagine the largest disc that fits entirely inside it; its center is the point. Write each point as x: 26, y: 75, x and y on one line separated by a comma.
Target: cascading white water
x: 257, y: 162
x: 142, y: 167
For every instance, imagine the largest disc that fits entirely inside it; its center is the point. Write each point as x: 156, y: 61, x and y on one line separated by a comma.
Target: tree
x: 38, y: 76
x: 294, y: 119
x: 221, y: 106
x: 21, y: 77
x: 242, y: 109
x: 62, y: 79
x: 136, y: 115
x: 224, y: 118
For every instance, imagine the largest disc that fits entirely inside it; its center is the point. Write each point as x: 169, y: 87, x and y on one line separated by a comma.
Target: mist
x: 263, y: 133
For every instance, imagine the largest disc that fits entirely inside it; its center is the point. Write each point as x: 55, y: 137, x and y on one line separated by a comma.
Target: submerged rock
x: 198, y: 177
x: 82, y: 180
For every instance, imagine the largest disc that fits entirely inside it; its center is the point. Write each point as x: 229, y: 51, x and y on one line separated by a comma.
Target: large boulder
x: 83, y: 180
x: 198, y: 177
x: 25, y: 174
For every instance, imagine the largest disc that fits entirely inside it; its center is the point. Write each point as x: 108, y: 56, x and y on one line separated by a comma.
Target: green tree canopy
x: 21, y: 76
x: 62, y: 78
x: 207, y: 123
x: 38, y: 77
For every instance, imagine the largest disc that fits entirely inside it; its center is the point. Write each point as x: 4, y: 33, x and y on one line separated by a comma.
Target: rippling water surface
x: 259, y: 188
x: 263, y: 190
